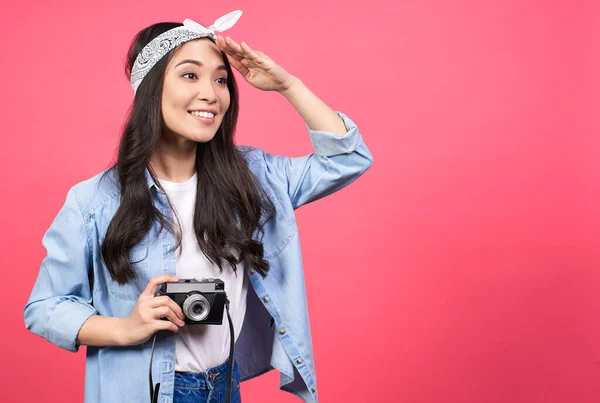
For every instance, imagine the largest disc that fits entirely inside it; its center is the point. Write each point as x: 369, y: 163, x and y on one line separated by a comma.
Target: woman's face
x: 195, y: 94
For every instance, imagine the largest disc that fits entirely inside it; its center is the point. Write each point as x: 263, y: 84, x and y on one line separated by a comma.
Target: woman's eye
x: 222, y: 80
x: 189, y: 74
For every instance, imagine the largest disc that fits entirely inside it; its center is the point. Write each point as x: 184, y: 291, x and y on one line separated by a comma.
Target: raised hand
x: 256, y: 67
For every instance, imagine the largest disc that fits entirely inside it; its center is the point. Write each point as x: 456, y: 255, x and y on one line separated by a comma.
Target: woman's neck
x: 174, y: 162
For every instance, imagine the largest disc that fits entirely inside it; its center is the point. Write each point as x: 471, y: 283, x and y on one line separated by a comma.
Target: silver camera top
x: 198, y: 285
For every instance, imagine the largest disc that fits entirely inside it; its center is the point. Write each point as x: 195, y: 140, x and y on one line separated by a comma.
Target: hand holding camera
x: 149, y: 312
x: 202, y: 301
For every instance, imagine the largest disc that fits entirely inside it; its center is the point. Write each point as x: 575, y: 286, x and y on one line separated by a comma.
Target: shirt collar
x: 150, y: 181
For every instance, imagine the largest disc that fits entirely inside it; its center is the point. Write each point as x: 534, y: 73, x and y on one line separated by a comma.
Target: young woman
x: 184, y: 202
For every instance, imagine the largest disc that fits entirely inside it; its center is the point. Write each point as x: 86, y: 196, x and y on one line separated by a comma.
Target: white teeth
x: 206, y: 115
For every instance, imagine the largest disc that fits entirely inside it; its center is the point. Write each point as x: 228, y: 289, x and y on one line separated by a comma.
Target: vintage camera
x: 202, y: 301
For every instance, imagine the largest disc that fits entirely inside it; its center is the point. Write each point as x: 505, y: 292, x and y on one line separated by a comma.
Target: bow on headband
x: 221, y: 24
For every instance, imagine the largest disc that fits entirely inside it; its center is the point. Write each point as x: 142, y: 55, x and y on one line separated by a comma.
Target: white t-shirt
x: 201, y: 347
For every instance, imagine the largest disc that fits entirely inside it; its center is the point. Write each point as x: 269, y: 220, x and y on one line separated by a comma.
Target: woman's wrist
x: 291, y: 89
x: 121, y: 332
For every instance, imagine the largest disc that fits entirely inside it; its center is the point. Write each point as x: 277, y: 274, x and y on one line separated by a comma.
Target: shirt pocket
x: 130, y: 291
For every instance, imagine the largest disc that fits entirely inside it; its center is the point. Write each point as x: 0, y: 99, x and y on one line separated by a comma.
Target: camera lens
x: 196, y: 307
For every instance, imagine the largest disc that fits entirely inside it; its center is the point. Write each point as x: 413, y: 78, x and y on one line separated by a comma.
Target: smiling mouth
x: 206, y: 118
x: 202, y: 114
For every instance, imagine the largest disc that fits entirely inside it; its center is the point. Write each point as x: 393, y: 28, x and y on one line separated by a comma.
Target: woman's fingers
x: 155, y: 282
x: 246, y: 49
x: 164, y: 300
x: 230, y: 47
x: 241, y: 57
x: 165, y: 325
x: 165, y: 312
x: 233, y: 45
x: 237, y: 65
x: 256, y: 57
x: 222, y: 44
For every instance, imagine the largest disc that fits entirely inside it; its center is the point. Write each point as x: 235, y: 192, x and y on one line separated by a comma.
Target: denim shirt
x: 73, y: 283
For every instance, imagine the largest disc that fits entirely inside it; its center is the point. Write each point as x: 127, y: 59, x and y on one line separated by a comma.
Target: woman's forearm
x: 317, y: 115
x: 101, y: 331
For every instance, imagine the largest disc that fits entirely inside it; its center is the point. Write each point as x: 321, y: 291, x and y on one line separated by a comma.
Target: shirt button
x: 266, y: 299
x: 299, y: 361
x: 252, y: 271
x: 282, y: 331
x: 314, y: 389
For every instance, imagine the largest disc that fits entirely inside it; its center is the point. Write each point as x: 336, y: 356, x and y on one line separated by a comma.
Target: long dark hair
x: 229, y: 199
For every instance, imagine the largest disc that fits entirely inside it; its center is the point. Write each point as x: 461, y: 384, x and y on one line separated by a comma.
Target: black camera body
x: 202, y: 301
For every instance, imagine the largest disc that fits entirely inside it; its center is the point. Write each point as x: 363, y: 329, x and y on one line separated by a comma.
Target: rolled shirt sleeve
x: 336, y: 162
x: 61, y: 300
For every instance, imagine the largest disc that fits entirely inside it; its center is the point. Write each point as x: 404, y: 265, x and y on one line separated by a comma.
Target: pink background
x: 462, y: 267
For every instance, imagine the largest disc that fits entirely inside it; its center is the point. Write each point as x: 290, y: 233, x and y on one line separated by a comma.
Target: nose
x: 206, y: 91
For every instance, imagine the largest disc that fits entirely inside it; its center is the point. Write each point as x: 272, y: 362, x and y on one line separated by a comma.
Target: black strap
x: 231, y: 347
x: 154, y: 390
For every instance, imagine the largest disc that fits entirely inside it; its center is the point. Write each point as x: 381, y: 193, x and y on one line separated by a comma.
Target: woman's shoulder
x: 97, y: 190
x: 250, y: 152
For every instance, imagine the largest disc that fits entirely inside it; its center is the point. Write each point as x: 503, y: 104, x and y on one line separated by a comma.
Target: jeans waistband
x: 212, y: 377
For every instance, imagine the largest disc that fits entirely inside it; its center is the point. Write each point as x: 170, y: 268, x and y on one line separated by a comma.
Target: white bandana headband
x: 167, y: 41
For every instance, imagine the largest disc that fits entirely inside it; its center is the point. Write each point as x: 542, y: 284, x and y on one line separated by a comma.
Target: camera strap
x: 154, y: 390
x: 231, y: 348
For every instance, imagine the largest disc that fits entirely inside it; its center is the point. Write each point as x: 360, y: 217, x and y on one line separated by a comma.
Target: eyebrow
x: 199, y: 64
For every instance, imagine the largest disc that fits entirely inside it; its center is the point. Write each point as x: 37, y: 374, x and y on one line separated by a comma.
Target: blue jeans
x: 207, y: 387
